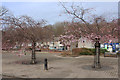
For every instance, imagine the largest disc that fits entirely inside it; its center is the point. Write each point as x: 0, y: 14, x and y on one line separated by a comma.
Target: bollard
x: 45, y: 64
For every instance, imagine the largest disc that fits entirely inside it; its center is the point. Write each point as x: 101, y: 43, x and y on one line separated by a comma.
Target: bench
x: 110, y: 54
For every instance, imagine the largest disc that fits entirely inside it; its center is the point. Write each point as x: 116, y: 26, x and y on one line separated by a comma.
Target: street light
x: 53, y: 44
x: 97, y: 54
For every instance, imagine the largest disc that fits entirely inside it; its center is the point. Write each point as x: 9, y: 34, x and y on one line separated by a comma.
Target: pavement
x: 14, y: 66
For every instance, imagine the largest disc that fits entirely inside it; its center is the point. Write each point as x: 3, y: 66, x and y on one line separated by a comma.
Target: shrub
x: 86, y: 51
x: 102, y: 51
x: 118, y: 53
x: 66, y: 53
x: 28, y: 48
x: 82, y: 51
x: 92, y: 50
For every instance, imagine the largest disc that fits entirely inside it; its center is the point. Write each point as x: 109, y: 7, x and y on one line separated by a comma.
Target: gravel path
x: 59, y: 67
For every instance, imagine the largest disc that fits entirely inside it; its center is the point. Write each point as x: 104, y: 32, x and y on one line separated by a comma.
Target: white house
x: 82, y: 43
x: 85, y: 43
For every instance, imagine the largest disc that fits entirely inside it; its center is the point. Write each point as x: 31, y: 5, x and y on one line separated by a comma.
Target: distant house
x: 82, y: 43
x: 85, y: 43
x: 54, y: 44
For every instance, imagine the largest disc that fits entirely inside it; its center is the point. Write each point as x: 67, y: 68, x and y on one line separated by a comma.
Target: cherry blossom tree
x: 26, y: 30
x: 71, y: 35
x: 92, y: 27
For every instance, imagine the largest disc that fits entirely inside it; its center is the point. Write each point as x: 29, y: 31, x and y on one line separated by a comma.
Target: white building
x: 85, y: 43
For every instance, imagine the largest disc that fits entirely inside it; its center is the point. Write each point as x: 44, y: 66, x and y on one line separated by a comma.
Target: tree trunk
x: 33, y: 60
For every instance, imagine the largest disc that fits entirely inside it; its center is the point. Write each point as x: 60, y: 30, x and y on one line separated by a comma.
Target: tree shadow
x: 26, y: 62
x: 103, y: 68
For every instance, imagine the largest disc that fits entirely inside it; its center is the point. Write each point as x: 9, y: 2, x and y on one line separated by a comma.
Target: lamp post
x: 53, y: 42
x: 97, y: 54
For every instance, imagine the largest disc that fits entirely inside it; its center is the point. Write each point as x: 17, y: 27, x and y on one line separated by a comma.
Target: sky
x: 53, y: 12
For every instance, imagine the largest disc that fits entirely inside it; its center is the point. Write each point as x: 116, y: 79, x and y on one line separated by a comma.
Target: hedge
x: 86, y: 51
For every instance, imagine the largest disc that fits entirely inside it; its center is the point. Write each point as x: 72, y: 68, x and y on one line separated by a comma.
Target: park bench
x: 110, y: 54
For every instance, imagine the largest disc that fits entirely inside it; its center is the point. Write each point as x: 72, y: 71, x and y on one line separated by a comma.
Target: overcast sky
x: 51, y: 11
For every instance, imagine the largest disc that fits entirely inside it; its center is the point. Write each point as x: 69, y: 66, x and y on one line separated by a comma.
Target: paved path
x: 59, y: 67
